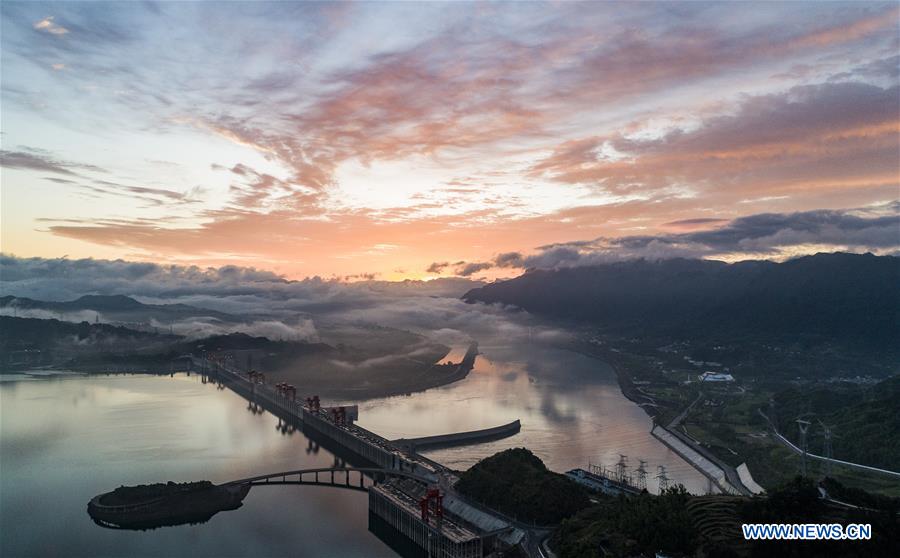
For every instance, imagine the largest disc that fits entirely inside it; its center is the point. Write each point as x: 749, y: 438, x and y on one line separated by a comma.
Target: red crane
x: 432, y: 503
x: 339, y: 415
x: 313, y: 404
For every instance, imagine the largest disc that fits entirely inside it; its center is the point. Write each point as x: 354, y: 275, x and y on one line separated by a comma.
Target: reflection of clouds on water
x: 551, y: 410
x: 27, y: 444
x: 570, y: 405
x: 55, y: 457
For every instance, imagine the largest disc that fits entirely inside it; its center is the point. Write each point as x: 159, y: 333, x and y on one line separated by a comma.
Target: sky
x: 421, y: 140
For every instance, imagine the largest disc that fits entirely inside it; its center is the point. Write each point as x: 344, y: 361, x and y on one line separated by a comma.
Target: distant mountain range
x: 35, y: 333
x: 847, y: 299
x: 112, y: 308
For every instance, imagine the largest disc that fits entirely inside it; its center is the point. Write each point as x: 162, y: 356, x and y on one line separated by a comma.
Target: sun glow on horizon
x: 337, y: 146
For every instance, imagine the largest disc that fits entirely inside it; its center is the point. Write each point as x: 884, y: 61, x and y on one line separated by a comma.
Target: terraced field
x: 717, y: 519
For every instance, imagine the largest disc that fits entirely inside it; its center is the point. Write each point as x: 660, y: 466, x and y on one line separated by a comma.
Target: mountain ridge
x: 834, y: 297
x: 118, y: 306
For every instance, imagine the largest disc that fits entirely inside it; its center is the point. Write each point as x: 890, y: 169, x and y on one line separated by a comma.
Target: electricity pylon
x: 663, y: 478
x: 621, y: 466
x: 642, y: 475
x: 803, y: 425
x: 828, y: 453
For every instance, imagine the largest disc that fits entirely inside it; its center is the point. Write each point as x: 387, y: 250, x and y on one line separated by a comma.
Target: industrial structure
x: 599, y: 478
x: 410, y: 493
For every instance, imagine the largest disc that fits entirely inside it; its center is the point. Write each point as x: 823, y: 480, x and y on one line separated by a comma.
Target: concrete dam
x: 460, y: 438
x: 415, y: 497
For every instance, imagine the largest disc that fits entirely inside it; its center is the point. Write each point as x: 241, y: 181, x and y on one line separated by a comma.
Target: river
x: 66, y: 438
x: 572, y: 412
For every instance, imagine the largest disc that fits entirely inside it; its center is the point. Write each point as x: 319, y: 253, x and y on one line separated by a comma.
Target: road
x: 790, y: 445
x: 731, y: 474
x: 677, y: 420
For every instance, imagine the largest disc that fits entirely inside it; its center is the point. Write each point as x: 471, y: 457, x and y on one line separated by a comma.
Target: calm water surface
x: 65, y: 439
x: 570, y: 405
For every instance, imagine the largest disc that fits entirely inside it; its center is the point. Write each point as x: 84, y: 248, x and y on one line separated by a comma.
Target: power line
x: 803, y: 425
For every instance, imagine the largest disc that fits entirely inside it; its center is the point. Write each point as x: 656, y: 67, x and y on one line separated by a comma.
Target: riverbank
x: 434, y: 376
x: 723, y: 476
x: 626, y: 385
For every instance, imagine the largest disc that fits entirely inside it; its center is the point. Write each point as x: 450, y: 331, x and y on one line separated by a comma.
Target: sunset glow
x: 419, y: 140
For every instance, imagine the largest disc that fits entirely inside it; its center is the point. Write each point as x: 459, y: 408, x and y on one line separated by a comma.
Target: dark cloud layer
x: 235, y: 288
x: 769, y: 235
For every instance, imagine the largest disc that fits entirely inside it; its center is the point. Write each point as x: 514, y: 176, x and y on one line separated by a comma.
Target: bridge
x: 411, y: 480
x: 329, y: 476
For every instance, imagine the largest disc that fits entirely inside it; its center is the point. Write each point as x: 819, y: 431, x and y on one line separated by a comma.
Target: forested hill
x: 865, y: 419
x: 109, y: 307
x: 846, y: 299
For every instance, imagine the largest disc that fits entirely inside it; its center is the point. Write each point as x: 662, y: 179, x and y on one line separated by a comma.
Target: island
x: 150, y: 506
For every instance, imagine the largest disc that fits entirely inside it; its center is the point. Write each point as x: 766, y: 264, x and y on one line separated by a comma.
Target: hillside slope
x: 110, y: 307
x: 845, y: 299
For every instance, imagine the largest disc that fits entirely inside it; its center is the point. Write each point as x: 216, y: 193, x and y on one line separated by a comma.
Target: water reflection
x: 66, y: 439
x: 570, y: 405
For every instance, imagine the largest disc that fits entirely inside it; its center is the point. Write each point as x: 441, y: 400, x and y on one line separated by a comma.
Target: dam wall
x: 355, y: 439
x: 461, y: 438
x: 444, y: 541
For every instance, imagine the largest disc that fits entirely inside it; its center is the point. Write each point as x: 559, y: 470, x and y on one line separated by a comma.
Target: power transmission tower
x: 642, y: 475
x: 803, y: 425
x: 621, y: 467
x: 828, y: 453
x: 662, y: 477
x: 773, y: 417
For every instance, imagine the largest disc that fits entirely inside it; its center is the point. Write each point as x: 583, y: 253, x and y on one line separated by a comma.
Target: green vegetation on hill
x: 36, y: 333
x: 517, y: 483
x: 859, y: 497
x: 365, y: 362
x: 30, y: 342
x: 798, y: 502
x: 826, y: 300
x: 114, y: 307
x: 865, y: 420
x: 629, y: 526
x: 859, y: 402
x: 678, y: 524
